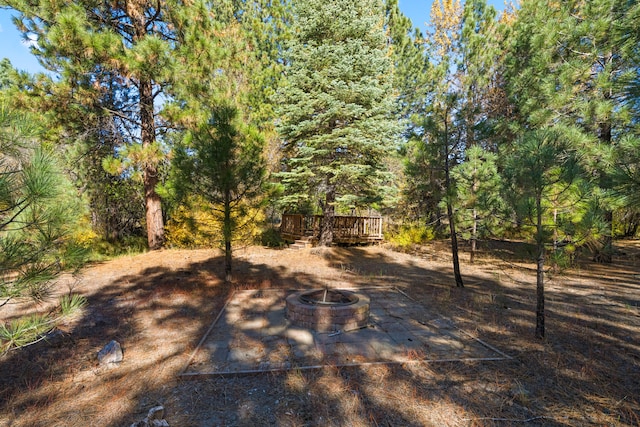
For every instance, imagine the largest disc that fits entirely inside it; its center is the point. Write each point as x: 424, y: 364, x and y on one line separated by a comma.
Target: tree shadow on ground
x: 585, y: 372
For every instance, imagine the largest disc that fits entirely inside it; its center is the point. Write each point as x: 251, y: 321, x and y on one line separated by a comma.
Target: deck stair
x: 302, y: 243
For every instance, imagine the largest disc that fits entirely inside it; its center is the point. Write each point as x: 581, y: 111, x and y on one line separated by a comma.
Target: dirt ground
x: 158, y: 305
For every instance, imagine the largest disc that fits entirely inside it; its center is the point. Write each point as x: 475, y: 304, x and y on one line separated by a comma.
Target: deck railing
x: 350, y: 229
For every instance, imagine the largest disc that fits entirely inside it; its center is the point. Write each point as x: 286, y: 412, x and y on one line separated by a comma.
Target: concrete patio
x: 252, y: 335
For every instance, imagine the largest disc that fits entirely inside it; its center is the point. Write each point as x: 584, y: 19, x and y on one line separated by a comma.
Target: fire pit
x: 328, y: 309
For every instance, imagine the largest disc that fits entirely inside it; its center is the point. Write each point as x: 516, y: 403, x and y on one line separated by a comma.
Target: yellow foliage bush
x: 407, y: 235
x: 85, y: 237
x: 199, y: 225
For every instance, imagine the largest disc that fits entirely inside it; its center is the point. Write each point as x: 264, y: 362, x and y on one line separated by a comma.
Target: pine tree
x: 6, y: 70
x: 38, y: 210
x: 476, y: 69
x: 623, y: 167
x: 567, y: 65
x: 221, y: 161
x: 336, y: 108
x: 479, y: 204
x: 96, y: 47
x: 410, y: 63
x: 220, y: 155
x: 540, y: 169
x: 442, y: 139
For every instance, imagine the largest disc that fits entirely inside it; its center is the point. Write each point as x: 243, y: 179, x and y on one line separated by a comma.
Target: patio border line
x: 206, y: 334
x: 489, y: 346
x: 198, y: 375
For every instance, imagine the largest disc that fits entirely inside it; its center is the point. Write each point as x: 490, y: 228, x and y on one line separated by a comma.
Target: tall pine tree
x: 97, y: 46
x: 220, y: 156
x: 568, y: 64
x: 336, y: 108
x: 478, y: 201
x: 540, y: 169
x: 443, y: 135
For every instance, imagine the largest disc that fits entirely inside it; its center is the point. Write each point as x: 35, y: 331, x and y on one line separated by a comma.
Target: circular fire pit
x: 328, y: 309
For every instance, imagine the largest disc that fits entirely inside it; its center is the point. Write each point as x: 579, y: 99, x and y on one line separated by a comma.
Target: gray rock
x: 153, y: 418
x: 110, y: 353
x: 156, y: 413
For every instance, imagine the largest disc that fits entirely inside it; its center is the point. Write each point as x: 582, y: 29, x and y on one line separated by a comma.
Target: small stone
x: 153, y: 418
x: 110, y: 353
x: 156, y: 413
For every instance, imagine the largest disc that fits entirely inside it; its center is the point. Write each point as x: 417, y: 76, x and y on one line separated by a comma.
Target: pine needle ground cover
x: 159, y: 305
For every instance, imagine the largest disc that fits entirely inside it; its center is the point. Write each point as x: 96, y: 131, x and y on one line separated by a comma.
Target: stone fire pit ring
x: 327, y: 310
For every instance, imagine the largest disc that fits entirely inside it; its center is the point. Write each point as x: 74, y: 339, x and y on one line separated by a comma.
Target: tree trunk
x: 328, y: 213
x: 539, y: 271
x: 454, y: 247
x: 474, y: 237
x: 153, y: 204
x: 452, y: 225
x: 605, y: 253
x: 227, y: 232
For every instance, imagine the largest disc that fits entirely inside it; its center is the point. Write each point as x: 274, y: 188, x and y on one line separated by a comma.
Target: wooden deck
x: 346, y: 229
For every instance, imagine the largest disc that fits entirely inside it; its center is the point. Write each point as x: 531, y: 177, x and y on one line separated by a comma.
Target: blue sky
x: 13, y: 47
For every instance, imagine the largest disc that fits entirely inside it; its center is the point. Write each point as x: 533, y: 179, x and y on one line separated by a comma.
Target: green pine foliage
x: 221, y: 160
x: 568, y: 65
x: 541, y: 171
x: 480, y: 208
x: 38, y: 213
x: 410, y: 64
x: 218, y: 155
x: 6, y: 74
x: 336, y: 108
x: 103, y: 52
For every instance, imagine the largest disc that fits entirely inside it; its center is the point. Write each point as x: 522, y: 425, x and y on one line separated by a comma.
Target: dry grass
x: 158, y: 305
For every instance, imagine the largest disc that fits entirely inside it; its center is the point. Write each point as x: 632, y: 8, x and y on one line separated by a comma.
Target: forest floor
x: 159, y: 305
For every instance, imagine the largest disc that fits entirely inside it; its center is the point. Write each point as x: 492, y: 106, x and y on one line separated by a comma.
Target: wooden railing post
x: 351, y: 229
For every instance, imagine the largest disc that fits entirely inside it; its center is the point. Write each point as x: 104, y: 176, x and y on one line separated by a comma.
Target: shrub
x: 199, y: 225
x: 410, y: 234
x: 271, y: 238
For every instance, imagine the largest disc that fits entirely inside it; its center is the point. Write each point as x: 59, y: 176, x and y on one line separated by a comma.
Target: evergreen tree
x: 221, y: 161
x: 336, y: 108
x: 6, y: 71
x: 266, y: 28
x: 410, y: 63
x: 567, y: 64
x: 540, y: 170
x: 442, y: 140
x: 220, y: 157
x: 123, y: 47
x: 410, y: 78
x: 624, y: 165
x: 37, y: 212
x: 477, y: 66
x: 479, y: 205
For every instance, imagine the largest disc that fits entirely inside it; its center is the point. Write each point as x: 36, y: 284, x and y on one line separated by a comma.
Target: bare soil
x: 158, y: 305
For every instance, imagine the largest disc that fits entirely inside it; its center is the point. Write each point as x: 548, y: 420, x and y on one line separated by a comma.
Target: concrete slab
x: 252, y: 334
